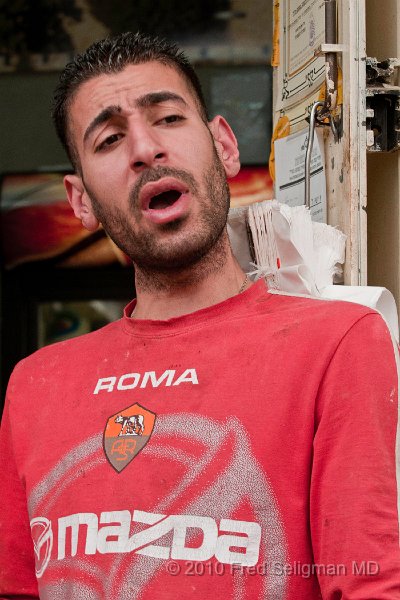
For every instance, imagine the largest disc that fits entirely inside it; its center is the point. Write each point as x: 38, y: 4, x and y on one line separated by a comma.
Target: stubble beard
x: 181, y: 250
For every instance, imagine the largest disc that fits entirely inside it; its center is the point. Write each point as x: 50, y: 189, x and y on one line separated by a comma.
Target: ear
x: 80, y: 202
x: 226, y: 145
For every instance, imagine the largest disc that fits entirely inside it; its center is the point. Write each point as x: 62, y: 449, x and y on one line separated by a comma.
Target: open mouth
x: 164, y: 200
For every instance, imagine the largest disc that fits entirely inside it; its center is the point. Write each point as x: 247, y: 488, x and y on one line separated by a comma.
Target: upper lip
x: 153, y: 188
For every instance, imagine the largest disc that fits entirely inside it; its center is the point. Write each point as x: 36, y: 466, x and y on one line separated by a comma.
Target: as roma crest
x: 126, y: 434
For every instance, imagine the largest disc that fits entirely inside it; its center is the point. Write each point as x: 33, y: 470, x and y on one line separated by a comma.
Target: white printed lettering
x: 251, y: 543
x: 74, y: 521
x: 129, y: 381
x: 121, y: 531
x: 193, y: 537
x: 143, y: 538
x: 183, y: 523
x: 128, y: 386
x: 151, y: 375
x: 107, y: 383
x: 189, y: 375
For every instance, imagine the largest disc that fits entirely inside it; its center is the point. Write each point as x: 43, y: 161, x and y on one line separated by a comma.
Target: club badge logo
x: 42, y: 537
x: 126, y: 434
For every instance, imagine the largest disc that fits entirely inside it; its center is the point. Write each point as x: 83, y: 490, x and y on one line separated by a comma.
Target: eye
x: 108, y: 141
x: 172, y: 119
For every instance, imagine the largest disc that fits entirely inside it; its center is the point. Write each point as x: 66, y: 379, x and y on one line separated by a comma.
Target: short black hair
x: 112, y: 55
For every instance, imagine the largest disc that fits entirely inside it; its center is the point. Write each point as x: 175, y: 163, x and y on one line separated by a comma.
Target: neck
x: 215, y: 278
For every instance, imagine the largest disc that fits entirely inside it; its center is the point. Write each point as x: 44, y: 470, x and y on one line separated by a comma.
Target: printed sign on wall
x: 300, y: 72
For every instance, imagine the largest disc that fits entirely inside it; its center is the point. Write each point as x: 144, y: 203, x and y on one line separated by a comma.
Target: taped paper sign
x: 302, y: 30
x: 290, y: 154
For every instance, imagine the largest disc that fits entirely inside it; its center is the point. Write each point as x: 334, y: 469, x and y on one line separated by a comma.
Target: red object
x: 36, y: 219
x: 251, y: 184
x: 39, y: 232
x: 271, y: 467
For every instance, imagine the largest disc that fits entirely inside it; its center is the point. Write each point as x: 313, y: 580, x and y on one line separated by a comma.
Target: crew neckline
x: 160, y: 327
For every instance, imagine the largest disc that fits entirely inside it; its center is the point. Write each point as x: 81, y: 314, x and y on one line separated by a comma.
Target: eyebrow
x: 103, y: 116
x: 157, y: 98
x: 145, y: 101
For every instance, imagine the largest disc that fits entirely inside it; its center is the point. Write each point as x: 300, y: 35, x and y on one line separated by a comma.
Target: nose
x: 146, y: 148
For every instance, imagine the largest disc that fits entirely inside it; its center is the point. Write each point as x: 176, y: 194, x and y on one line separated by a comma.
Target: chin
x: 175, y: 256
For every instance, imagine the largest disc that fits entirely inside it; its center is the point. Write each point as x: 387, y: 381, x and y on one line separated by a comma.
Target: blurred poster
x: 37, y: 224
x: 251, y: 184
x: 62, y: 320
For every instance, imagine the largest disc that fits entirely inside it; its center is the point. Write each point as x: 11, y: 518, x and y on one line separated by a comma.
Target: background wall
x: 28, y: 141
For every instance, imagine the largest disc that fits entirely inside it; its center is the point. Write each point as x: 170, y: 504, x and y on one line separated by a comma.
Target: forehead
x: 124, y: 87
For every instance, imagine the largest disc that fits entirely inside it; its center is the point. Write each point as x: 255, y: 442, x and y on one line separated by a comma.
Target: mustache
x: 156, y: 173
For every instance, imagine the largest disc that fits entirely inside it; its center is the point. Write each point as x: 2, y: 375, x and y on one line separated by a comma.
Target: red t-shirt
x: 245, y: 451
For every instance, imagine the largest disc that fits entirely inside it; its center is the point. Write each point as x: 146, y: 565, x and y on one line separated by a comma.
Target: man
x: 219, y: 441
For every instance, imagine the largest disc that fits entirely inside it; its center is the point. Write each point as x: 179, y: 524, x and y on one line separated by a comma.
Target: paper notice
x: 305, y: 31
x: 302, y: 30
x: 290, y: 155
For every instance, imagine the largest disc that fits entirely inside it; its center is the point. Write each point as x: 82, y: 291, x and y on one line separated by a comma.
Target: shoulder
x: 66, y: 357
x: 338, y: 312
x: 325, y: 320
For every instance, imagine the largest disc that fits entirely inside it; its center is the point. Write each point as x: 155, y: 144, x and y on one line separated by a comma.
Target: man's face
x: 152, y: 172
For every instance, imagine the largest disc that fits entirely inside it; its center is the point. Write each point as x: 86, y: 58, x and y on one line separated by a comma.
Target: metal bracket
x: 329, y: 48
